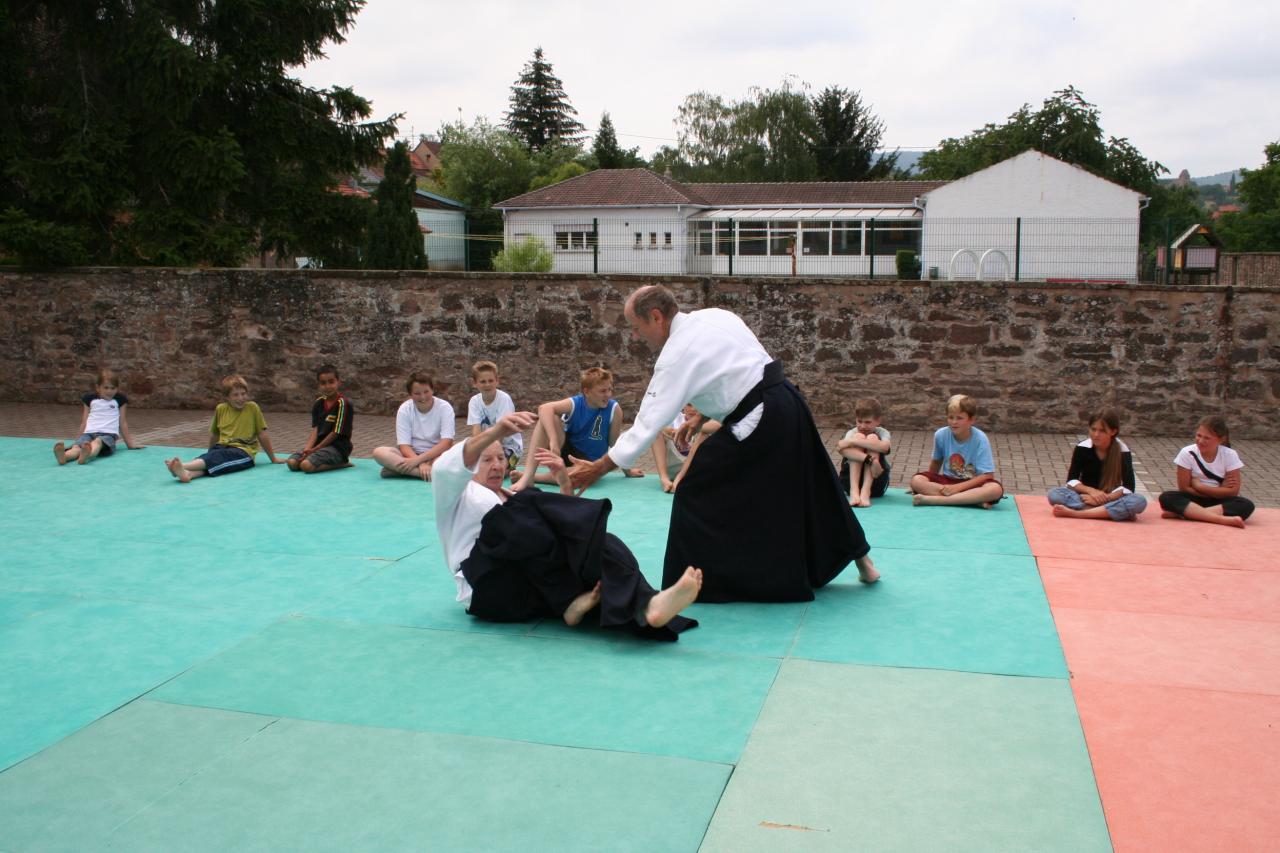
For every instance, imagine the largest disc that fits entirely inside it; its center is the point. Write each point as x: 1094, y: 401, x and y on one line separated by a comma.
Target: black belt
x: 773, y: 375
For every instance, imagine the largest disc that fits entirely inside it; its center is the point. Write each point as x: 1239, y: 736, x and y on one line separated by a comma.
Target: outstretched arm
x: 508, y: 424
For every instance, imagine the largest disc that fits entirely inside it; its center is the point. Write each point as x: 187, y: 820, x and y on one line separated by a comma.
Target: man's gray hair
x: 654, y: 296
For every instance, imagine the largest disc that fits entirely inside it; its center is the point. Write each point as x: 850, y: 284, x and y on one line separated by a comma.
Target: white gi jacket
x: 711, y: 359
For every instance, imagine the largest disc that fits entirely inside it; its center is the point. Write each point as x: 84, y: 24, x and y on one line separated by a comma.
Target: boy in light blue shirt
x: 962, y: 472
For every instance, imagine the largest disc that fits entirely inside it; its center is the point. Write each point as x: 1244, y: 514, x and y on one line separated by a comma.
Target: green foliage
x: 1066, y: 127
x: 780, y: 134
x: 529, y: 255
x: 846, y: 137
x: 168, y: 132
x: 908, y: 264
x: 1171, y: 210
x: 482, y: 164
x: 540, y: 111
x: 395, y: 237
x: 608, y: 154
x: 1257, y: 229
x: 563, y: 172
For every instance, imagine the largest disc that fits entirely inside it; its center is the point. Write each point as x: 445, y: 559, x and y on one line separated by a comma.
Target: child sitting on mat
x: 962, y: 472
x: 864, y: 468
x: 237, y: 430
x: 1100, y: 479
x: 102, y: 422
x: 1209, y: 479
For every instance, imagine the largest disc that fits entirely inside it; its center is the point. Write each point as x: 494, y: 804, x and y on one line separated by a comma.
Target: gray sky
x: 1192, y: 85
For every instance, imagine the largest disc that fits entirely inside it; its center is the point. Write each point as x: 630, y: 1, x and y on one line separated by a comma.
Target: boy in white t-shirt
x: 488, y: 406
x: 425, y: 427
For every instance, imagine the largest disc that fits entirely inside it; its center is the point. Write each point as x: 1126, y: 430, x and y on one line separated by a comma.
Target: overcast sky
x: 1192, y: 85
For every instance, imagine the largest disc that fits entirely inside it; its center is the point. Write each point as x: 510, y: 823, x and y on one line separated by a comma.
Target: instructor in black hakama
x: 760, y: 509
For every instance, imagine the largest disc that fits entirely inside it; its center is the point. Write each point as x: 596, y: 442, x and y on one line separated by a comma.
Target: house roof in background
x: 644, y: 188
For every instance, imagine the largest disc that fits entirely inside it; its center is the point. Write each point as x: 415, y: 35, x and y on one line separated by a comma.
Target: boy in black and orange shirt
x: 329, y: 445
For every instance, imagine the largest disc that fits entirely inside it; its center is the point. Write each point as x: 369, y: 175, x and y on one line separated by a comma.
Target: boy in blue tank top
x: 583, y: 426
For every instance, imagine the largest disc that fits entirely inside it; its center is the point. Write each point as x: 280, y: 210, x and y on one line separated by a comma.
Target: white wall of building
x: 1074, y: 224
x: 446, y: 244
x: 618, y: 227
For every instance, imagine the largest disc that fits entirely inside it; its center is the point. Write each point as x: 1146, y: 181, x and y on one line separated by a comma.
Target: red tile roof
x: 818, y: 193
x: 609, y: 188
x: 641, y: 187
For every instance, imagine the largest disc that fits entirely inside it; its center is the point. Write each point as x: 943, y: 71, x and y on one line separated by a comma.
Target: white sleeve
x: 448, y: 420
x: 666, y: 395
x: 404, y: 424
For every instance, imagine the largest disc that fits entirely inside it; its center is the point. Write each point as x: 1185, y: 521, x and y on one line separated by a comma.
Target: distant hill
x: 906, y: 159
x: 1223, y: 178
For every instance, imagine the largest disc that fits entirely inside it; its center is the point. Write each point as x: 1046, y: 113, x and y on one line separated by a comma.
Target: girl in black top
x: 1100, y: 481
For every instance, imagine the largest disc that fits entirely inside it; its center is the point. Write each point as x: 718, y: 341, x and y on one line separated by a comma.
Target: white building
x: 445, y: 223
x: 1030, y: 215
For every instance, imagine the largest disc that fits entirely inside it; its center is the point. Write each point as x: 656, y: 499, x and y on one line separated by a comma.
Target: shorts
x: 513, y: 459
x: 944, y: 480
x: 879, y: 485
x: 108, y: 439
x: 569, y: 450
x: 324, y: 457
x: 225, y: 459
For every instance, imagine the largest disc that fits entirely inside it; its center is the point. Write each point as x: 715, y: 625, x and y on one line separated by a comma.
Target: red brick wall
x: 1035, y: 355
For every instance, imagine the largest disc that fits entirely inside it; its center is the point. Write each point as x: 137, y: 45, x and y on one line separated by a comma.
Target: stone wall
x: 1036, y: 355
x: 1256, y: 269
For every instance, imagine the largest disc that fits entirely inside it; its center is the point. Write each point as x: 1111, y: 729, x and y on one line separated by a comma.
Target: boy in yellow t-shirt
x: 234, y: 436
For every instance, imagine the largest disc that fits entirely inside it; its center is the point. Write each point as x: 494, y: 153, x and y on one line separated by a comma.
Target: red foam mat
x: 1172, y: 590
x: 1153, y: 540
x: 1185, y: 770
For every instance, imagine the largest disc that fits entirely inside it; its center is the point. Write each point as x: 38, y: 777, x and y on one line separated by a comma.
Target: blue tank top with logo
x: 587, y: 429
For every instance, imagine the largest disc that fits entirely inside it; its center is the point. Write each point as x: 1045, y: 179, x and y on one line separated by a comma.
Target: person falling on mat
x: 520, y: 556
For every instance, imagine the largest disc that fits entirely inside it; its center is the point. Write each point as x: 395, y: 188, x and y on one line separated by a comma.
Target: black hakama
x: 540, y: 550
x: 764, y: 518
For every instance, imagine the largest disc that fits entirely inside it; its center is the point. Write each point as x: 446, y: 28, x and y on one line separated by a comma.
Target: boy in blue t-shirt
x: 583, y: 426
x: 962, y: 472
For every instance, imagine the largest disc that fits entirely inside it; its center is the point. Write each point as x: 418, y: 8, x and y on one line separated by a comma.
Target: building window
x: 703, y: 234
x: 653, y: 239
x: 782, y: 237
x: 639, y: 244
x: 892, y: 235
x: 816, y: 238
x: 724, y: 238
x: 846, y: 237
x: 666, y: 240
x: 753, y: 238
x: 574, y: 238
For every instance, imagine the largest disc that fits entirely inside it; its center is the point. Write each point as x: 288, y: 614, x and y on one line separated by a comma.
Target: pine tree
x: 540, y: 111
x: 847, y: 138
x: 169, y: 132
x: 395, y: 238
x: 608, y: 154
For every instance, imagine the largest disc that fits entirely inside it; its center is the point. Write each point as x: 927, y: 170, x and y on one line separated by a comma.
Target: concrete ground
x: 1027, y: 463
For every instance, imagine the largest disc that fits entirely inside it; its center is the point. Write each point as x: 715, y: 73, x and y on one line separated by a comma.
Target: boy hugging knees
x: 237, y: 431
x: 674, y: 447
x: 583, y: 426
x: 487, y: 407
x: 864, y: 466
x: 329, y: 444
x: 962, y: 472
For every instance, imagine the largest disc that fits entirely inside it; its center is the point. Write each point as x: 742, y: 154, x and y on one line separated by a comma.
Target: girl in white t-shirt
x: 425, y: 427
x: 102, y: 423
x: 1208, y: 479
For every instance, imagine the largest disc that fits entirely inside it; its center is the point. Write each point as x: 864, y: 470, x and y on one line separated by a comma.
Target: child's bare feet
x: 85, y: 454
x: 866, y: 570
x: 987, y: 504
x: 664, y: 606
x: 175, y: 468
x: 388, y: 473
x: 1232, y: 521
x: 917, y: 499
x: 581, y: 606
x: 1167, y: 514
x: 60, y: 453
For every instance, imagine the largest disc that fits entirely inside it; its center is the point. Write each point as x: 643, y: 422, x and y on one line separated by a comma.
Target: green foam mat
x: 961, y: 611
x: 893, y: 522
x: 154, y: 776
x: 71, y: 661
x: 629, y: 694
x: 892, y: 759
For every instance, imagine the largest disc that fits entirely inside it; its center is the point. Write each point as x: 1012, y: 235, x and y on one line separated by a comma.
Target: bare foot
x: 987, y: 504
x: 668, y: 486
x: 864, y: 502
x: 1062, y: 512
x: 917, y: 500
x: 175, y: 468
x: 60, y: 453
x: 520, y: 485
x: 664, y: 606
x: 1167, y: 514
x: 581, y: 606
x: 85, y: 454
x: 633, y: 472
x: 1233, y: 521
x: 867, y: 570
x: 388, y: 473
